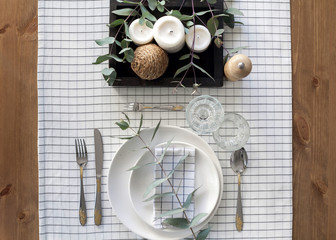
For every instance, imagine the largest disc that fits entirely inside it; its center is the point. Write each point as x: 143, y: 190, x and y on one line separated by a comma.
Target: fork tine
x: 81, y: 148
x: 85, y: 150
x: 76, y: 147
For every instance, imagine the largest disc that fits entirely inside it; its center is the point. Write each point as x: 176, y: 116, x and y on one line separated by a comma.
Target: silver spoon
x: 238, y: 162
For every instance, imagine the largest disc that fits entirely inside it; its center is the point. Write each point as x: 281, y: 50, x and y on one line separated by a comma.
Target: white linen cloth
x: 73, y: 99
x: 182, y: 180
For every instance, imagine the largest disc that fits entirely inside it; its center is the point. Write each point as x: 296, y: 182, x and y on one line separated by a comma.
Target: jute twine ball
x: 149, y: 62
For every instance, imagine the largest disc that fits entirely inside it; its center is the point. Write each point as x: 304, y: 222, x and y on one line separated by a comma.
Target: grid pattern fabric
x: 182, y: 179
x: 73, y: 99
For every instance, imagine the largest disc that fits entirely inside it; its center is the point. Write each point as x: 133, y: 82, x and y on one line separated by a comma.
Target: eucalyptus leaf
x: 186, y: 17
x: 189, y: 24
x: 128, y: 120
x: 124, y: 43
x: 123, y: 125
x: 229, y: 21
x: 164, y: 151
x: 234, y: 11
x: 239, y: 22
x: 149, y: 24
x: 103, y: 58
x: 155, y: 196
x: 140, y: 166
x: 153, y: 185
x: 171, y: 212
x: 226, y: 58
x: 211, y: 1
x: 202, y: 235
x: 185, y: 56
x: 212, y: 25
x: 129, y: 54
x: 125, y: 12
x: 124, y: 50
x: 152, y: 4
x: 107, y: 71
x: 196, y: 219
x: 116, y: 23
x: 156, y: 129
x: 218, y: 42
x: 177, y: 165
x: 187, y: 202
x: 154, y: 162
x: 104, y: 41
x: 160, y: 8
x: 110, y: 79
x: 127, y: 138
x: 174, y: 13
x: 177, y: 222
x: 203, y: 71
x: 147, y: 14
x: 196, y: 56
x: 126, y: 1
x: 142, y: 21
x: 184, y: 68
x: 237, y: 49
x: 219, y: 32
x: 140, y: 124
x: 207, y: 11
x: 127, y: 30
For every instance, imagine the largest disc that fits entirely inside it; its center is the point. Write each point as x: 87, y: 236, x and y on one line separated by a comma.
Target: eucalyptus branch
x: 165, y: 174
x: 122, y: 25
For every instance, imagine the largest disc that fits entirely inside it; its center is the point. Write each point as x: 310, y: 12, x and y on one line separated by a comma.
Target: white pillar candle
x: 169, y: 33
x: 202, y: 38
x: 140, y: 34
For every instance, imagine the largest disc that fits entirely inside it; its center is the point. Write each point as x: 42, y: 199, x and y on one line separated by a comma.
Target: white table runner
x: 73, y: 99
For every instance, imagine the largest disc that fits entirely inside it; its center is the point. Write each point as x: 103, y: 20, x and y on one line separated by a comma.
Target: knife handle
x: 97, y: 212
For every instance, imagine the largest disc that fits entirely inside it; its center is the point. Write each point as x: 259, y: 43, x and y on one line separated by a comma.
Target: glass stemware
x: 233, y: 132
x: 204, y: 114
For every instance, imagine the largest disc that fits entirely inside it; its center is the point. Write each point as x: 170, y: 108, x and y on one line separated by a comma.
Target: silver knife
x: 99, y: 156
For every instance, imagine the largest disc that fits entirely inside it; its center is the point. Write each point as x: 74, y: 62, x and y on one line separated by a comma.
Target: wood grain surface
x: 314, y: 115
x: 314, y: 107
x: 18, y: 120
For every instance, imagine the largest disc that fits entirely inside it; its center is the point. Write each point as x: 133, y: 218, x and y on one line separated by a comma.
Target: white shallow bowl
x: 119, y: 177
x: 206, y: 178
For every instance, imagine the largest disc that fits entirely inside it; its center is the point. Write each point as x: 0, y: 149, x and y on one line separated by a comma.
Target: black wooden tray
x: 211, y: 60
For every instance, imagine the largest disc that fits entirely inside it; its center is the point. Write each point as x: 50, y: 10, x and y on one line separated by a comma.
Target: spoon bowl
x: 239, y: 160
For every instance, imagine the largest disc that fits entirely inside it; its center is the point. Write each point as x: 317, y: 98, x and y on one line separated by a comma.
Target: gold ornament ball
x: 237, y: 67
x: 149, y: 62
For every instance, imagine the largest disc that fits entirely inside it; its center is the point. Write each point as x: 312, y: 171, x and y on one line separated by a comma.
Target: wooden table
x: 314, y: 114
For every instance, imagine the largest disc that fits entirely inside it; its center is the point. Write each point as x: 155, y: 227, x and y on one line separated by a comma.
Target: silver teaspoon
x: 238, y: 162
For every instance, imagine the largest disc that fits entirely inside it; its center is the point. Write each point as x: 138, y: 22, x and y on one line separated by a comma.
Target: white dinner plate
x: 119, y: 177
x: 206, y: 179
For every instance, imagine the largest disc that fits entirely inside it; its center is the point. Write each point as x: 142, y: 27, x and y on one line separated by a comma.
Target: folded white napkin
x: 182, y: 179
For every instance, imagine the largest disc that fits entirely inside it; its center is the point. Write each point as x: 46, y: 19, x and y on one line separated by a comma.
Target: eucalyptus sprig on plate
x: 183, y: 222
x: 146, y: 10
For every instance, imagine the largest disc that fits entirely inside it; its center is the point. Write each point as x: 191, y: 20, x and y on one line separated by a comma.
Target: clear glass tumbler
x: 233, y: 132
x: 204, y: 114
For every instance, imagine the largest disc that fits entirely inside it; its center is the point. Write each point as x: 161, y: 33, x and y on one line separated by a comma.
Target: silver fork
x: 137, y: 107
x: 82, y: 159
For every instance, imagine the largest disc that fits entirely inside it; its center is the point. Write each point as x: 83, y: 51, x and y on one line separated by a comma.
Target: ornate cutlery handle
x: 168, y: 107
x: 82, y: 207
x: 239, y: 211
x: 97, y: 212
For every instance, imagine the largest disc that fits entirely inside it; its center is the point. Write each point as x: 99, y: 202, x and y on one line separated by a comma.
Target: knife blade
x: 99, y: 156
